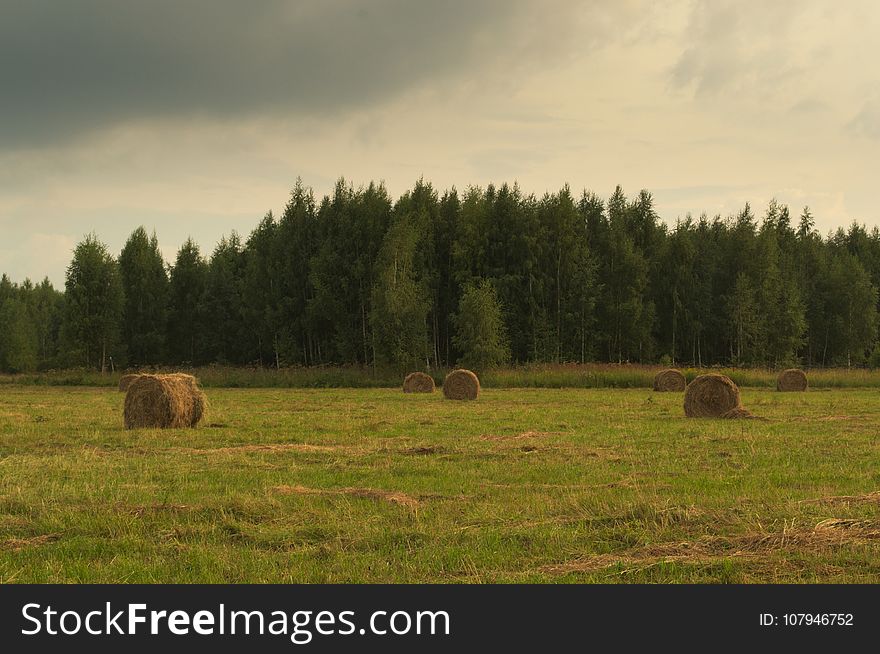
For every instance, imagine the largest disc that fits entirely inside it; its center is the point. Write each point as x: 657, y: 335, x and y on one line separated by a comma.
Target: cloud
x: 867, y: 121
x: 70, y: 67
x: 742, y: 46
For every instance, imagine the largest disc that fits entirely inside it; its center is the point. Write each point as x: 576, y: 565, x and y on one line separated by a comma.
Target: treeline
x: 484, y: 277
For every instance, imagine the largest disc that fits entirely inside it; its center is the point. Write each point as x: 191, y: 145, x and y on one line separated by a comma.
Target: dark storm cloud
x: 69, y: 67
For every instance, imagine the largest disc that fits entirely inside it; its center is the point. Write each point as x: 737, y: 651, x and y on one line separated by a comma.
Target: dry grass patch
x: 872, y: 497
x: 395, y: 497
x: 830, y: 533
x: 144, y: 509
x: 741, y: 413
x: 268, y: 447
x: 520, y: 436
x: 18, y: 544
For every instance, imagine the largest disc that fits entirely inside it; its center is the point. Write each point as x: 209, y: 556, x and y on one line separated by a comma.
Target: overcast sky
x: 196, y: 117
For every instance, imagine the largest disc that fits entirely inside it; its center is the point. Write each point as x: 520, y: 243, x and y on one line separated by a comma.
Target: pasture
x: 371, y: 485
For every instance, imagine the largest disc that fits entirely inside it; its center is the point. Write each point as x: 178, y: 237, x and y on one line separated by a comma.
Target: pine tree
x: 145, y: 285
x: 186, y: 324
x: 296, y: 247
x: 93, y: 305
x: 227, y: 335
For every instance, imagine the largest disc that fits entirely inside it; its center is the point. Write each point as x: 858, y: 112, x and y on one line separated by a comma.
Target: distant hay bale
x: 669, y: 381
x: 710, y: 396
x: 418, y: 382
x: 163, y: 401
x: 125, y: 381
x: 461, y: 385
x: 791, y: 380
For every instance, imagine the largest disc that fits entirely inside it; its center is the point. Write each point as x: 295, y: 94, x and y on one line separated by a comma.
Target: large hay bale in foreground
x: 791, y: 380
x: 125, y: 381
x: 418, y: 382
x: 461, y: 385
x: 163, y: 401
x: 710, y: 396
x: 669, y: 381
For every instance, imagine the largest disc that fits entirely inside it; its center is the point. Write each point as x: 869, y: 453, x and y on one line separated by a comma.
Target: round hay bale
x: 418, y: 382
x: 792, y: 380
x: 461, y: 385
x: 125, y: 381
x: 200, y: 401
x: 162, y: 401
x: 710, y: 396
x: 669, y: 381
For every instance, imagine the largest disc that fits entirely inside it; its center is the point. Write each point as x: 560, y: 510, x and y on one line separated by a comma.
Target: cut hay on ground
x: 461, y: 385
x: 669, y: 381
x: 125, y: 381
x: 418, y: 382
x: 163, y: 401
x: 791, y: 380
x: 710, y: 396
x: 740, y: 413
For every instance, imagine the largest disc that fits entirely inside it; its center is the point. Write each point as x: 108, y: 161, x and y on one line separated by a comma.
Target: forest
x: 484, y: 277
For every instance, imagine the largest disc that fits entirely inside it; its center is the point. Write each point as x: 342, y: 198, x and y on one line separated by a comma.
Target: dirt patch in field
x: 830, y: 533
x: 424, y: 450
x: 395, y: 497
x: 523, y: 435
x: 18, y: 544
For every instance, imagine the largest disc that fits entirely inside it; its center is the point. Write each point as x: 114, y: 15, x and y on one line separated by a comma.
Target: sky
x: 196, y: 118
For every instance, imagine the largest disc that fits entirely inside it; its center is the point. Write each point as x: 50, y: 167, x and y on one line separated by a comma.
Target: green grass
x: 371, y: 485
x: 590, y: 375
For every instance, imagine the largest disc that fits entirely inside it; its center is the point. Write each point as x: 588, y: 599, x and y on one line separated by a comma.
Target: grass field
x: 371, y: 485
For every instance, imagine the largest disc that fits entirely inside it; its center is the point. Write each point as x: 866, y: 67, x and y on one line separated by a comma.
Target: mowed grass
x: 371, y: 485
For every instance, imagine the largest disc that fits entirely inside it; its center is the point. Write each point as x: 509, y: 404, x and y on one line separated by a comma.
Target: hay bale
x: 669, y: 381
x: 461, y: 385
x: 163, y: 401
x: 418, y: 382
x: 791, y: 380
x: 710, y: 396
x: 200, y: 401
x: 125, y: 381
